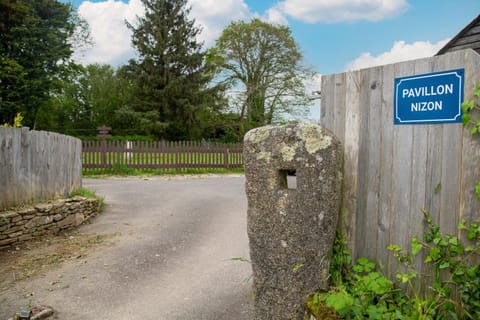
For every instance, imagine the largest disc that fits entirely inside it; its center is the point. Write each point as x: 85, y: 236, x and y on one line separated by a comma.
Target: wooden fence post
x: 225, y: 155
x: 103, y: 132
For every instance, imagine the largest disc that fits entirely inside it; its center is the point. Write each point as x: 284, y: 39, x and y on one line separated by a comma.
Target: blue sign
x: 429, y: 98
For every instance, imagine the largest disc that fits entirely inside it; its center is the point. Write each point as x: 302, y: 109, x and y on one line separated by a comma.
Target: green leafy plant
x: 17, y: 122
x: 83, y: 192
x: 122, y: 170
x: 470, y: 110
x: 363, y: 294
x: 451, y: 290
x: 456, y: 267
x: 471, y: 119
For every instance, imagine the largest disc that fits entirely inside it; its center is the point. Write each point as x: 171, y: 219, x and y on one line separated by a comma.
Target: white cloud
x: 275, y: 16
x: 213, y: 16
x: 400, y: 51
x: 112, y: 39
x: 313, y: 11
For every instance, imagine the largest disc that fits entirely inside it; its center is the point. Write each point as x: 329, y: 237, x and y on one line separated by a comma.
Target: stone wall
x: 27, y: 222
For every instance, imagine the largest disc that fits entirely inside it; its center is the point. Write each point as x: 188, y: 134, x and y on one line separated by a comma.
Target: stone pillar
x: 293, y: 187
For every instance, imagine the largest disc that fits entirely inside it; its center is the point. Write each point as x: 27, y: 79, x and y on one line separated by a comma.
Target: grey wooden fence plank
x: 386, y: 167
x: 469, y: 206
x: 351, y: 145
x: 371, y: 145
x: 451, y: 161
x: 339, y: 111
x: 401, y: 173
x: 328, y: 99
x: 419, y: 173
x: 363, y: 163
x: 8, y: 192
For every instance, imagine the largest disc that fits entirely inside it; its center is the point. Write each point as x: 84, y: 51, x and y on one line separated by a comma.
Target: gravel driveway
x: 172, y: 256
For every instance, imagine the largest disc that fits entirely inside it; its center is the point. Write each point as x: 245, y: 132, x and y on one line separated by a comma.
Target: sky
x: 334, y: 35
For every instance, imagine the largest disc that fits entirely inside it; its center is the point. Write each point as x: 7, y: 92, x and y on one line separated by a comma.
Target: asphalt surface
x: 173, y: 256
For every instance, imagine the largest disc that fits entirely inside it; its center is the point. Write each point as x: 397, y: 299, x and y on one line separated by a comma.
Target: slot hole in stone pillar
x: 288, y: 179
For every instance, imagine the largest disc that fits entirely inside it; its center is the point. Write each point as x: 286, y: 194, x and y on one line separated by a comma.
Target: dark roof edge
x: 459, y: 35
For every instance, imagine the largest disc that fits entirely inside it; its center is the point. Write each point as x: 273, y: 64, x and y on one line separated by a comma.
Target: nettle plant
x: 450, y: 289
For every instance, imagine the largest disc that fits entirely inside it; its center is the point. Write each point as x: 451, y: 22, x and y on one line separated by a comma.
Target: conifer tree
x: 170, y: 72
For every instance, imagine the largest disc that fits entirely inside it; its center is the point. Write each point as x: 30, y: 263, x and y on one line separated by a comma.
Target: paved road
x: 172, y: 259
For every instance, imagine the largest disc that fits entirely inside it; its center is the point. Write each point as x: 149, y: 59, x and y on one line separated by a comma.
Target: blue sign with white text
x: 429, y: 98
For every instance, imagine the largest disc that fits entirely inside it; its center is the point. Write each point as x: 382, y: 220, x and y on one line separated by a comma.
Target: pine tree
x: 172, y: 80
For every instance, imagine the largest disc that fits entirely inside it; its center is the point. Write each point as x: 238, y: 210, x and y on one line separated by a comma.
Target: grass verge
x: 125, y: 171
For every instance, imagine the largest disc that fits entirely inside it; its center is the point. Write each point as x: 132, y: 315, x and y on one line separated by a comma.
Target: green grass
x: 160, y: 159
x: 125, y: 171
x: 84, y: 192
x: 121, y: 164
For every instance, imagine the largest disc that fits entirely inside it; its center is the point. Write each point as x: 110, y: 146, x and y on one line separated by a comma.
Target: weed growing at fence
x: 471, y: 119
x: 122, y: 170
x: 359, y: 291
x: 17, y: 122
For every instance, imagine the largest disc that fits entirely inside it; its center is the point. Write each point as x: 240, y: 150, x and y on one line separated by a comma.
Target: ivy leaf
x: 416, y: 246
x: 468, y: 105
x: 434, y: 255
x: 476, y: 91
x: 466, y: 118
x: 428, y: 237
x: 477, y: 190
x: 473, y: 231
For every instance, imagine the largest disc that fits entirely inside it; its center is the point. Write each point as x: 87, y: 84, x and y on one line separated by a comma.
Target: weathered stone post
x: 291, y: 227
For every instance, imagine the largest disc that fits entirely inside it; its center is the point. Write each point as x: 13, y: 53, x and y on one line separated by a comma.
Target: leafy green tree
x: 172, y: 79
x: 96, y: 95
x: 262, y: 61
x: 12, y: 74
x: 34, y: 52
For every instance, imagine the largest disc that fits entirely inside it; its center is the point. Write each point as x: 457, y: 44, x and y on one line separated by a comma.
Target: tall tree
x: 96, y: 95
x: 34, y: 50
x: 263, y: 62
x: 171, y: 74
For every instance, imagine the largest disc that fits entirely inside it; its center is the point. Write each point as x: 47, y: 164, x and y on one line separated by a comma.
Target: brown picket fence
x: 160, y: 155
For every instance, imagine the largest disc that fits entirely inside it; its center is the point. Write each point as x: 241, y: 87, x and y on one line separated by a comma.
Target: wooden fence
x: 37, y: 166
x: 160, y: 155
x: 393, y: 172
